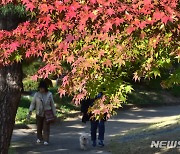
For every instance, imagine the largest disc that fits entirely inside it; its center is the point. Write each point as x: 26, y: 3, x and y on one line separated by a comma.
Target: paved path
x: 65, y: 135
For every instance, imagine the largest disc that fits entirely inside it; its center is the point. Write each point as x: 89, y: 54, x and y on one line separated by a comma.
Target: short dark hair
x: 43, y: 84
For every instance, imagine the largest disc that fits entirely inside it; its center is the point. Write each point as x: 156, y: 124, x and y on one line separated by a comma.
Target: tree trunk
x: 10, y: 90
x: 10, y: 93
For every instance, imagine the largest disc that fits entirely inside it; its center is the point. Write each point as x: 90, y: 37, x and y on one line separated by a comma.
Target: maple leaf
x: 45, y: 19
x: 147, y: 2
x: 44, y: 8
x: 65, y: 80
x: 112, y: 1
x: 66, y: 1
x: 107, y: 26
x: 14, y: 46
x: 25, y: 1
x: 136, y: 77
x: 70, y: 59
x: 101, y: 53
x: 52, y: 27
x: 96, y: 112
x: 70, y: 14
x: 73, y: 70
x: 62, y: 25
x: 165, y: 19
x: 142, y: 25
x: 34, y: 77
x: 101, y: 2
x: 118, y: 21
x: 28, y: 53
x: 93, y: 1
x: 107, y: 63
x: 81, y: 27
x: 69, y: 38
x: 51, y: 67
x: 110, y: 11
x: 80, y: 96
x: 130, y: 29
x: 158, y: 15
x: 86, y: 65
x: 76, y: 5
x: 136, y: 22
x: 129, y: 16
x: 122, y: 8
x: 59, y: 5
x: 30, y: 6
x: 62, y: 92
x: 92, y: 16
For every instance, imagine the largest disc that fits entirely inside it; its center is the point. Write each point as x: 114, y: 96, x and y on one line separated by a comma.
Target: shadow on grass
x: 139, y: 140
x: 151, y: 94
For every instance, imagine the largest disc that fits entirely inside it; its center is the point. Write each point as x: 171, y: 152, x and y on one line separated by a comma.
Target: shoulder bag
x: 49, y: 115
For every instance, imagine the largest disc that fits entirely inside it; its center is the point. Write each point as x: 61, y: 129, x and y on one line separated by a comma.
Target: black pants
x: 100, y: 126
x: 43, y: 128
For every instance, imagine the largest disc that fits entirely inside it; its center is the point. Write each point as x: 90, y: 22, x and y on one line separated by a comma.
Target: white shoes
x: 46, y: 143
x: 38, y: 141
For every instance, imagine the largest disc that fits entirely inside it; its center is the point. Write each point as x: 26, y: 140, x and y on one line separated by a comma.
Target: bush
x: 21, y: 114
x: 175, y: 91
x: 23, y: 111
x: 30, y: 85
x: 25, y: 102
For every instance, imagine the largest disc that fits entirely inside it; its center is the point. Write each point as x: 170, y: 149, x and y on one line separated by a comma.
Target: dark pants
x: 43, y: 128
x: 100, y: 126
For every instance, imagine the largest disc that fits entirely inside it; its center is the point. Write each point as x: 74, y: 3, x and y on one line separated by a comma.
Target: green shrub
x: 175, y: 91
x: 29, y: 84
x: 25, y: 102
x: 23, y: 111
x: 21, y: 114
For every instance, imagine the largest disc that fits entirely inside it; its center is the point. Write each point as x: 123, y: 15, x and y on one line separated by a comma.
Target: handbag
x: 49, y: 115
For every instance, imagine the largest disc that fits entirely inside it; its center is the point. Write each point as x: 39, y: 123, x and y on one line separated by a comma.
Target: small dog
x: 84, y: 141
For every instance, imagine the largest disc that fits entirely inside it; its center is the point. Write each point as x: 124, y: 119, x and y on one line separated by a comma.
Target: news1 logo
x: 165, y: 144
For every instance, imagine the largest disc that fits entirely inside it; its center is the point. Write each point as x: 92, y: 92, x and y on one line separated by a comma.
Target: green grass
x: 152, y: 132
x: 143, y: 98
x: 150, y: 93
x: 11, y: 151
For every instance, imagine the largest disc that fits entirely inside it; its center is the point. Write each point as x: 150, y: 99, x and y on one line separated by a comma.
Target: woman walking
x: 43, y: 103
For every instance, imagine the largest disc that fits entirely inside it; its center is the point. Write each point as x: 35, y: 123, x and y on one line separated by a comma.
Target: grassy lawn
x: 151, y: 94
x: 138, y: 141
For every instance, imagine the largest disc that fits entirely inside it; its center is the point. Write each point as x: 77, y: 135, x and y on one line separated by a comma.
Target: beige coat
x: 40, y: 105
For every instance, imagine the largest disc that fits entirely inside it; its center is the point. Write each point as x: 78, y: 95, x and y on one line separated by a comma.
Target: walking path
x: 65, y: 135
